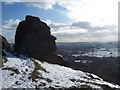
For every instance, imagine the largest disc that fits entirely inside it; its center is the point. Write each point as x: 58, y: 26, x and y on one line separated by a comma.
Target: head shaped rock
x: 33, y: 38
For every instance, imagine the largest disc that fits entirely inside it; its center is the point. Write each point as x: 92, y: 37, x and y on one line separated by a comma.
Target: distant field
x: 98, y: 58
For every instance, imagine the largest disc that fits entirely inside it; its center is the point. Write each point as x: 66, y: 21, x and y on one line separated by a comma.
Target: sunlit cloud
x: 69, y: 30
x: 97, y: 12
x: 10, y: 25
x: 83, y: 31
x: 88, y: 25
x: 46, y: 4
x: 41, y: 5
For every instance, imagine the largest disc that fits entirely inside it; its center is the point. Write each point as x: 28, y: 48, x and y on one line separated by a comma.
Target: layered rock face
x: 33, y: 37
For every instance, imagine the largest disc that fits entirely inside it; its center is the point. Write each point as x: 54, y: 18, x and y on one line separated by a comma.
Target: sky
x: 69, y: 20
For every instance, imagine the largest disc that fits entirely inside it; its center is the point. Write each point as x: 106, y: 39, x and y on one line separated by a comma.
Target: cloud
x: 10, y: 25
x: 83, y: 31
x: 85, y: 25
x: 9, y: 28
x: 54, y: 25
x: 61, y: 28
x: 97, y: 12
x: 10, y: 1
x: 88, y: 26
x: 69, y: 30
x: 46, y: 4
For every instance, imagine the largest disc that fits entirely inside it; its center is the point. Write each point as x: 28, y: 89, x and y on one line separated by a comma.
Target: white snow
x: 61, y: 75
x: 55, y: 75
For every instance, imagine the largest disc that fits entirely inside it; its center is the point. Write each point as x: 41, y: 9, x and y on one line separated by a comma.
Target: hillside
x: 25, y: 72
x: 100, y: 58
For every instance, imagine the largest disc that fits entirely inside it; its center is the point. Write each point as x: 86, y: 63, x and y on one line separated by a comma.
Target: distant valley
x: 101, y: 58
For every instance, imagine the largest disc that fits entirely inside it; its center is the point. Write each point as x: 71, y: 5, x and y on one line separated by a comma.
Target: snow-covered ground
x: 24, y: 72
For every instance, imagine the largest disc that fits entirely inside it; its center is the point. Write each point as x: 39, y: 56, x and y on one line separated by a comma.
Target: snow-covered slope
x: 24, y: 72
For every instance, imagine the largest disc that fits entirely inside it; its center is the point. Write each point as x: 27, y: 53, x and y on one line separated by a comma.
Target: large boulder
x: 33, y: 38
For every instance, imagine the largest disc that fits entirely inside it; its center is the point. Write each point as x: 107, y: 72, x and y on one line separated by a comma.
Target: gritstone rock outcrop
x: 33, y: 38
